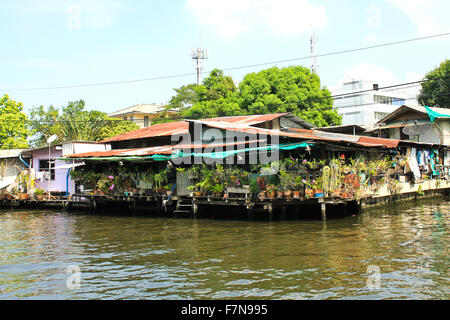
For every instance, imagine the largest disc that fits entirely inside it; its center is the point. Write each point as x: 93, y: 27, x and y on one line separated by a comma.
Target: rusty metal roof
x: 182, y: 127
x: 164, y: 150
x: 157, y: 130
x: 389, y: 143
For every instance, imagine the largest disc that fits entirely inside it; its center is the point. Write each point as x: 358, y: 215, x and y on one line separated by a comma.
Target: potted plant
x: 158, y: 181
x: 271, y: 191
x: 309, y: 191
x: 317, y: 187
x: 298, y: 187
x: 105, y: 185
x: 168, y: 189
x: 195, y: 190
x: 286, y: 183
x: 280, y: 193
x: 39, y: 194
x: 217, y: 190
x: 254, y: 188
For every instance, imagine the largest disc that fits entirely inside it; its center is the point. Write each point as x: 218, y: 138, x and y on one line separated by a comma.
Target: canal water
x: 391, y: 252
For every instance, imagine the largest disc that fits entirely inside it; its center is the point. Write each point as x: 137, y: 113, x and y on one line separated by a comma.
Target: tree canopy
x: 74, y: 123
x: 435, y: 93
x: 13, y: 124
x: 293, y: 89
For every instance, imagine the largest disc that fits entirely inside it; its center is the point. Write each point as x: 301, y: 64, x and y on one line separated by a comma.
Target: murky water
x: 160, y: 258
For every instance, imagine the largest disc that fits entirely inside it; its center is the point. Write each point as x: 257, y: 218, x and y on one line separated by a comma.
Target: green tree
x: 435, y: 93
x: 293, y: 89
x: 216, y: 96
x: 13, y: 124
x: 185, y: 97
x: 74, y: 123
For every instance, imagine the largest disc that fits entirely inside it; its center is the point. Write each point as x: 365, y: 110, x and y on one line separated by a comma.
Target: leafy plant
x: 39, y: 192
x: 420, y: 191
x: 271, y: 188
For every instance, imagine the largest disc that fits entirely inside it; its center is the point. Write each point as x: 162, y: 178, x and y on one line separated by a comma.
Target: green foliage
x: 74, y: 123
x: 39, y: 192
x: 435, y: 93
x: 13, y: 125
x: 293, y: 89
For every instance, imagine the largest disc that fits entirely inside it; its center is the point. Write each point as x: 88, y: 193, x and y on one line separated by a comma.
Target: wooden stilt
x: 323, y: 210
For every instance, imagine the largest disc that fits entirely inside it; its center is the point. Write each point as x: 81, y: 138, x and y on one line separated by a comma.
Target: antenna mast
x: 313, y: 40
x: 199, y: 55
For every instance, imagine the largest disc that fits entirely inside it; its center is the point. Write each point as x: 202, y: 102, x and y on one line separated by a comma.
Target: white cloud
x: 375, y: 74
x: 384, y: 77
x: 371, y: 38
x: 430, y: 16
x: 91, y: 13
x: 283, y: 17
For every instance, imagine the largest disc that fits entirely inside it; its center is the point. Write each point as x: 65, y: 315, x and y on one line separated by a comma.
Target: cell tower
x: 313, y: 40
x: 199, y: 55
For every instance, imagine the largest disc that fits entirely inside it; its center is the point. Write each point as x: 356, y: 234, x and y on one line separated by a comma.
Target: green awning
x: 433, y: 114
x: 181, y: 154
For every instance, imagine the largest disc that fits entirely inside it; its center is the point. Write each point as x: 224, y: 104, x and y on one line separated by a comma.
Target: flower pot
x: 319, y: 195
x: 296, y: 194
x: 168, y: 192
x: 271, y: 194
x: 197, y: 193
x: 23, y: 196
x: 39, y: 197
x: 336, y: 193
x: 288, y: 194
x: 262, y: 195
x: 309, y: 193
x: 280, y: 194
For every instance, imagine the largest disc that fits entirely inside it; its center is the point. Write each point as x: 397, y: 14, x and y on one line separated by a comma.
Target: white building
x: 358, y: 103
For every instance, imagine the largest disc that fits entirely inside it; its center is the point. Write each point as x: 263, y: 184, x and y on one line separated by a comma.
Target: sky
x: 57, y: 43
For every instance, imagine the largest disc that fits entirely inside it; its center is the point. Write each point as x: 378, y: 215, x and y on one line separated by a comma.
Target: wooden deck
x: 188, y: 206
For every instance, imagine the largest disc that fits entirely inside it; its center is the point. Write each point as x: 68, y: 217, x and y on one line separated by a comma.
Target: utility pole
x: 313, y: 40
x: 198, y: 55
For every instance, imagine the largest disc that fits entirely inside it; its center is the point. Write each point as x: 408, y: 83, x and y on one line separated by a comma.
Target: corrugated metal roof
x: 182, y: 127
x: 406, y: 108
x: 139, y: 108
x: 11, y: 153
x: 154, y: 150
x: 389, y: 143
x: 157, y: 130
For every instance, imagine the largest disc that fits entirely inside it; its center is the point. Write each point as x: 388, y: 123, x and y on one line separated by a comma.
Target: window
x: 146, y: 123
x: 43, y: 166
x: 380, y: 115
x: 388, y: 100
x: 131, y: 118
x: 125, y: 118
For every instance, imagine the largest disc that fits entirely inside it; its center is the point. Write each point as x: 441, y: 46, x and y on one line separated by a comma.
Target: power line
x: 227, y: 69
x: 192, y: 117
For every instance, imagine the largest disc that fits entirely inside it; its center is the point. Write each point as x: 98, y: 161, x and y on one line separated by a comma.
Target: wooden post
x: 195, y: 209
x: 323, y: 209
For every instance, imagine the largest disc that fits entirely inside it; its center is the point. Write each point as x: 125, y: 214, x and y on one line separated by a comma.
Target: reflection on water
x: 161, y: 258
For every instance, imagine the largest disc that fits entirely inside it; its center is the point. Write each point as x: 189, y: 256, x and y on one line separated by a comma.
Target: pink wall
x: 59, y: 184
